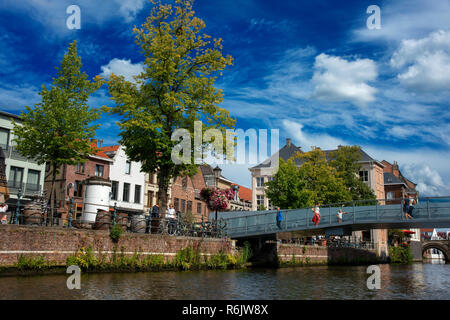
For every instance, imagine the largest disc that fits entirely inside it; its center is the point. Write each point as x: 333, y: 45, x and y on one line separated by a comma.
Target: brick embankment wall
x: 56, y: 244
x: 302, y: 254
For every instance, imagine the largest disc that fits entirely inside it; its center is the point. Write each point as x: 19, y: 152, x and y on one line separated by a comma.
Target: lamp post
x: 69, y: 225
x: 16, y: 218
x: 217, y: 173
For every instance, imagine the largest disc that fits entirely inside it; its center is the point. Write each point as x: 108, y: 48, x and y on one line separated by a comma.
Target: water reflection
x: 416, y: 281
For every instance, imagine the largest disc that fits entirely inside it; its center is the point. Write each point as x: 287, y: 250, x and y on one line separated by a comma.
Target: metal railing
x: 357, y: 212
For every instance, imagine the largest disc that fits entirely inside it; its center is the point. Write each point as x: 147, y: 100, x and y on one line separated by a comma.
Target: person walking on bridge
x: 279, y: 218
x: 339, y: 215
x: 412, y: 202
x: 316, y: 217
x: 406, y: 208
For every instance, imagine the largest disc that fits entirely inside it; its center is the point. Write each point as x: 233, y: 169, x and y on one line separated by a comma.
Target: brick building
x: 69, y: 179
x: 397, y: 186
x: 185, y: 196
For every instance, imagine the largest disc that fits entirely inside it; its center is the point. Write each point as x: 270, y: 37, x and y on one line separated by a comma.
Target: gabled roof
x: 99, y: 152
x: 389, y: 178
x: 245, y: 193
x: 285, y: 153
x: 289, y: 150
x: 111, y: 148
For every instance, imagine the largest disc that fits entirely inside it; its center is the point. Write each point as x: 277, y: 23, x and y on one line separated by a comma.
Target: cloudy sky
x: 311, y: 69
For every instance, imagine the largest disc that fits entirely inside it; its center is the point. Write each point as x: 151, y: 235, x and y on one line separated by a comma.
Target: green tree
x: 175, y: 89
x: 321, y: 180
x: 314, y: 181
x: 288, y: 190
x: 58, y: 130
x: 345, y: 160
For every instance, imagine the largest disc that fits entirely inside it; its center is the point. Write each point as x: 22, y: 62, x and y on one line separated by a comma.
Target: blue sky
x: 311, y: 69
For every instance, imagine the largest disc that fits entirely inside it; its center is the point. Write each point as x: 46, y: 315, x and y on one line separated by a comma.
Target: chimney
x: 288, y: 142
x: 94, y: 141
x: 395, y: 170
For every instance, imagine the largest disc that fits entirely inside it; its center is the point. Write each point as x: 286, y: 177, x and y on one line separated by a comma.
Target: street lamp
x: 217, y: 173
x: 16, y: 218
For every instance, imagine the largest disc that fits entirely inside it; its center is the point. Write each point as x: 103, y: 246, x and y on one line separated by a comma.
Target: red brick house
x: 185, y: 196
x: 396, y: 186
x: 69, y: 179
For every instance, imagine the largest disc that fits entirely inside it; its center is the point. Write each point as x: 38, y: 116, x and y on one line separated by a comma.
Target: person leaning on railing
x: 3, y: 209
x: 171, y: 215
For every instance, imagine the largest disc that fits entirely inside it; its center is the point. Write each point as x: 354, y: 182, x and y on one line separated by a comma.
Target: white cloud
x: 305, y: 140
x: 414, y: 18
x: 122, y: 67
x: 16, y: 97
x: 429, y: 181
x: 337, y: 79
x: 129, y: 8
x: 424, y: 63
x: 52, y: 14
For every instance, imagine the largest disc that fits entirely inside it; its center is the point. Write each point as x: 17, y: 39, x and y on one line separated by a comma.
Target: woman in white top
x: 171, y: 215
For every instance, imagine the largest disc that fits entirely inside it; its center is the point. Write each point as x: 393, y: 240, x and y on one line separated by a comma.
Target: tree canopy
x: 58, y: 129
x: 176, y: 88
x: 318, y: 179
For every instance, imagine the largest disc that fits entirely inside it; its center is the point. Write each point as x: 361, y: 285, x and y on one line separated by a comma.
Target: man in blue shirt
x: 279, y: 217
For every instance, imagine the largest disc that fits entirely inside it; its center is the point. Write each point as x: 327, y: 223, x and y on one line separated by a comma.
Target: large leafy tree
x: 175, y: 89
x: 321, y: 179
x: 314, y: 181
x: 58, y: 129
x: 288, y: 189
x: 345, y: 160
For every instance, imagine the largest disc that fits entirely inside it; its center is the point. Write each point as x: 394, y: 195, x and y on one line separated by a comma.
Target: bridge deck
x: 432, y: 212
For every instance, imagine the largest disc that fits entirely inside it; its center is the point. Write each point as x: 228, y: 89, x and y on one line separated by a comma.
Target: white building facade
x: 127, y: 181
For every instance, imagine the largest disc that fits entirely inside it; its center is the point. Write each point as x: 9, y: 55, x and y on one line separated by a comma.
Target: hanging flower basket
x: 217, y: 199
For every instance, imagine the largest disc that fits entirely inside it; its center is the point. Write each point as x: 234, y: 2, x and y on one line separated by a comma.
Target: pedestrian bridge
x: 433, y: 212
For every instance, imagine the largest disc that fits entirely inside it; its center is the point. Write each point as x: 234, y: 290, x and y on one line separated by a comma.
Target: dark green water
x: 416, y: 281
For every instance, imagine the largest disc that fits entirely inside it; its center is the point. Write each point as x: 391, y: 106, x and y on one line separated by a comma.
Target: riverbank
x: 27, y: 250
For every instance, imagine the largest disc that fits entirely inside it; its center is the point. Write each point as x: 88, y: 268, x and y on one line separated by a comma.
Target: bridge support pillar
x: 416, y: 250
x: 380, y: 239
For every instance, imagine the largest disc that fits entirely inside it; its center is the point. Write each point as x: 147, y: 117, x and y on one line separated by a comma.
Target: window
x: 99, y: 170
x: 33, y: 180
x: 199, y: 207
x: 259, y: 200
x: 15, y: 177
x: 4, y: 138
x: 77, y: 189
x: 176, y: 204
x: 260, y: 181
x: 182, y: 205
x: 128, y: 167
x: 114, y: 190
x: 137, y: 194
x: 390, y: 195
x: 364, y: 175
x: 189, y: 206
x: 80, y: 167
x: 126, y: 192
x: 184, y: 182
x: 150, y: 199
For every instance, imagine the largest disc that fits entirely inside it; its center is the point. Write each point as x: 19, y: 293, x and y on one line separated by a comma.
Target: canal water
x: 416, y: 281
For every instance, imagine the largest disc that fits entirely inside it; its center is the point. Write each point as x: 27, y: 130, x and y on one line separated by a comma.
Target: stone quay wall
x: 55, y: 244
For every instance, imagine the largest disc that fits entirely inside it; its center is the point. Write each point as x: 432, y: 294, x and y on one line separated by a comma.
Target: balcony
x: 26, y: 189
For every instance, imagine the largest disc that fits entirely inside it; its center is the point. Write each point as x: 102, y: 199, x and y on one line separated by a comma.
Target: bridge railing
x: 359, y: 211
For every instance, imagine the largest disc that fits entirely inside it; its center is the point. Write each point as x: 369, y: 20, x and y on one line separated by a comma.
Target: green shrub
x: 84, y: 258
x: 36, y: 263
x: 115, y: 233
x: 401, y: 255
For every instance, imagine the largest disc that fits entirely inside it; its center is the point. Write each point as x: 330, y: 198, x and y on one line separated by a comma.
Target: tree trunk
x: 163, y: 187
x: 52, y: 192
